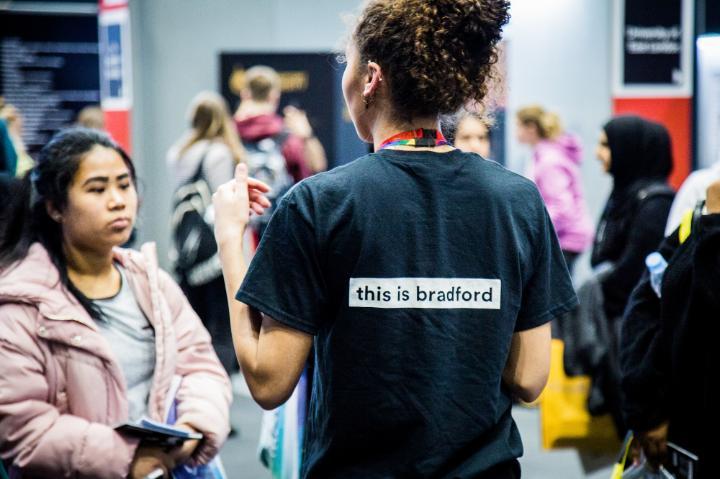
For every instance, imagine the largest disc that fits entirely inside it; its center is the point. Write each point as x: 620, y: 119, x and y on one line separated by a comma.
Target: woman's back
x: 217, y: 161
x: 415, y: 305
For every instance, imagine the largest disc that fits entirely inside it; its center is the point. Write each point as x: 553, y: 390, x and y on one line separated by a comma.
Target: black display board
x: 49, y: 69
x: 712, y: 16
x: 310, y: 81
x: 653, y: 42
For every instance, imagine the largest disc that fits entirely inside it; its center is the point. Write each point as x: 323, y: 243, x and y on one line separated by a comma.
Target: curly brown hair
x: 437, y: 54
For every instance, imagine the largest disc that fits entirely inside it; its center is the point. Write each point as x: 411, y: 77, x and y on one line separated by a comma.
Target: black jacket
x: 633, y: 222
x: 625, y: 236
x: 669, y: 345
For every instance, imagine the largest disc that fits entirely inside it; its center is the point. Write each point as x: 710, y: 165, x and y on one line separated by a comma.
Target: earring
x: 367, y: 100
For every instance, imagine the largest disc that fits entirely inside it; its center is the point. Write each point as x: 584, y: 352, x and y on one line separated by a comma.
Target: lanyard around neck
x: 420, y: 138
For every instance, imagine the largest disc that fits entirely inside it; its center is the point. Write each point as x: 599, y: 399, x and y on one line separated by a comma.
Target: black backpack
x: 194, y: 250
x: 266, y: 162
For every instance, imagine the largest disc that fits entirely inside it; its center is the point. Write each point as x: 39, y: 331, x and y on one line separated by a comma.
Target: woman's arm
x: 34, y: 434
x: 271, y: 355
x: 528, y: 365
x: 205, y: 394
x: 554, y: 181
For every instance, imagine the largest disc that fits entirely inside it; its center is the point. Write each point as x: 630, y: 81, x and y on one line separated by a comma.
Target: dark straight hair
x: 26, y: 220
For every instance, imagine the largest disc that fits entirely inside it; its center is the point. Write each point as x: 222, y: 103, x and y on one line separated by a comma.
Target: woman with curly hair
x: 424, y: 276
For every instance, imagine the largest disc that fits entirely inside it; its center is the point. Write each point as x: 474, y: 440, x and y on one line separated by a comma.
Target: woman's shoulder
x: 143, y: 266
x: 27, y: 287
x: 215, y: 147
x: 337, y: 179
x: 504, y: 182
x: 32, y: 275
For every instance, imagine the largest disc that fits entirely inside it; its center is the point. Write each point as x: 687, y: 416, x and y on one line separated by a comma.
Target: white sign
x: 115, y: 60
x: 652, y: 58
x: 425, y: 293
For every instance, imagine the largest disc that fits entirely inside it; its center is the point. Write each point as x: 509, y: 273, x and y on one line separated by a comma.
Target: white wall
x: 559, y: 56
x: 708, y: 100
x: 176, y: 44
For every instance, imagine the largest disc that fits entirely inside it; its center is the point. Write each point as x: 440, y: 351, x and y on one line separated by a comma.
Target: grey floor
x: 239, y: 453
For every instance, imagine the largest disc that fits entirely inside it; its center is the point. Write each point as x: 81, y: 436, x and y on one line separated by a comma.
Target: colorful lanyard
x: 417, y: 138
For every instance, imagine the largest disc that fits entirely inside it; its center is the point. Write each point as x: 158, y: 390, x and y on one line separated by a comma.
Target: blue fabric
x: 8, y: 156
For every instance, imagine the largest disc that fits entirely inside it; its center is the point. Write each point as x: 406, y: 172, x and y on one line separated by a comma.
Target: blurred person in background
x: 257, y: 120
x: 93, y: 335
x: 472, y: 134
x: 14, y: 122
x: 8, y: 157
x: 668, y: 352
x: 637, y: 153
x: 555, y: 169
x: 91, y: 116
x: 404, y: 386
x: 208, y: 151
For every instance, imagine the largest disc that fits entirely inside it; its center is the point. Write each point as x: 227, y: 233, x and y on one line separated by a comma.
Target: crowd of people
x: 413, y: 292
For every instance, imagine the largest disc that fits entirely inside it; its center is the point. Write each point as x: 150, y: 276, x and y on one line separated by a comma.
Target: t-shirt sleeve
x: 548, y: 292
x: 285, y: 279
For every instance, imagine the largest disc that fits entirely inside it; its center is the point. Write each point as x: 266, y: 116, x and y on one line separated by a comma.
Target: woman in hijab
x: 637, y: 154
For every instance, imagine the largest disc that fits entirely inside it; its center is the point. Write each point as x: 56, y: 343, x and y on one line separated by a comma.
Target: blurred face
x: 353, y: 86
x: 527, y: 133
x: 473, y: 136
x: 102, y: 202
x: 603, y: 152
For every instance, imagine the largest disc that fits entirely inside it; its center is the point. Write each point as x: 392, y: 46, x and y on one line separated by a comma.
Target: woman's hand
x: 148, y: 459
x: 296, y: 121
x: 654, y: 444
x: 713, y: 198
x: 234, y: 201
x: 182, y: 454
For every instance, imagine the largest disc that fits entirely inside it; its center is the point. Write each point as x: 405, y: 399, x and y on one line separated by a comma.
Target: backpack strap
x: 653, y: 190
x: 685, y: 226
x: 281, y: 137
x: 690, y: 220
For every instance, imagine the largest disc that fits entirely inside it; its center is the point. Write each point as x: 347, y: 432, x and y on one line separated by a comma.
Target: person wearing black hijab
x: 637, y: 153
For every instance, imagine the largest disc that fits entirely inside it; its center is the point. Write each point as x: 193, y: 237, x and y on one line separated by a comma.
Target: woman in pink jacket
x: 555, y: 169
x: 92, y: 335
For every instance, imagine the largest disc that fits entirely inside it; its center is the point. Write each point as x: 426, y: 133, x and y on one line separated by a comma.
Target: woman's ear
x: 374, y: 78
x: 53, y: 212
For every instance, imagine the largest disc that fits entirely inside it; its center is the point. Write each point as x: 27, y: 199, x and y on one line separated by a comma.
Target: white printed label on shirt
x: 425, y: 293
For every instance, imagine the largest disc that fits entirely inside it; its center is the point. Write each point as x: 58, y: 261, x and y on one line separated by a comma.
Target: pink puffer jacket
x: 61, y: 388
x: 556, y: 172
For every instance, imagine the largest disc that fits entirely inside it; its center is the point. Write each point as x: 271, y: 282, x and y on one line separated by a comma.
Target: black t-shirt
x: 413, y: 270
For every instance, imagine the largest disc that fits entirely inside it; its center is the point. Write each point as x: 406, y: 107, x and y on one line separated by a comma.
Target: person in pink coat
x: 555, y: 169
x: 93, y: 335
